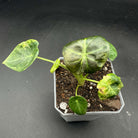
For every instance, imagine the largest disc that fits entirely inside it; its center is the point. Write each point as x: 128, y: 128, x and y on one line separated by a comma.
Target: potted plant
x: 83, y: 62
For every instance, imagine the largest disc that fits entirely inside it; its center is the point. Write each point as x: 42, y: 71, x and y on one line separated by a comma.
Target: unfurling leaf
x: 86, y: 55
x: 23, y: 55
x: 78, y: 104
x: 109, y: 86
x: 55, y: 66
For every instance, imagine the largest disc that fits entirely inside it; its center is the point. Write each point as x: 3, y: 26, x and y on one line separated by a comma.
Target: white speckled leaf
x: 23, y: 55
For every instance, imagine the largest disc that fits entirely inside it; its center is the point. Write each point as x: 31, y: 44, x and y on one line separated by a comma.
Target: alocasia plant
x: 86, y: 55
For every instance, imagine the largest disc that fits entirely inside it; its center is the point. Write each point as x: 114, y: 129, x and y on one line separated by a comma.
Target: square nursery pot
x: 70, y: 117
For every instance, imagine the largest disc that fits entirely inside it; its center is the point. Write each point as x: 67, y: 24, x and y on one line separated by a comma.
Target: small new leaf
x: 78, y: 104
x: 23, y: 55
x: 109, y: 86
x: 55, y: 66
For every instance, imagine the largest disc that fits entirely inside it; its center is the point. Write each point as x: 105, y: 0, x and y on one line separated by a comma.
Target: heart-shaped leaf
x: 86, y: 55
x: 55, y: 66
x: 78, y: 104
x: 23, y: 55
x: 109, y: 86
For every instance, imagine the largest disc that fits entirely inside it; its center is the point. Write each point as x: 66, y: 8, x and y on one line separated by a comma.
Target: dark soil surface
x: 66, y: 85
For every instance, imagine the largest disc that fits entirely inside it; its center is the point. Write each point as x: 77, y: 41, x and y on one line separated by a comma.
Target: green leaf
x: 55, y: 66
x: 86, y: 55
x: 23, y: 55
x: 109, y: 86
x: 113, y: 52
x: 78, y: 104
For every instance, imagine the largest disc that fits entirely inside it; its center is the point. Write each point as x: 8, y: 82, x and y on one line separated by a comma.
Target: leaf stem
x: 63, y: 66
x: 77, y: 89
x: 91, y: 80
x: 51, y: 61
x: 48, y: 60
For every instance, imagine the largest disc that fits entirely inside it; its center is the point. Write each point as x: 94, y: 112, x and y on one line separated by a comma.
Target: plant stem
x: 77, y: 89
x: 51, y: 61
x: 91, y: 80
x: 79, y: 78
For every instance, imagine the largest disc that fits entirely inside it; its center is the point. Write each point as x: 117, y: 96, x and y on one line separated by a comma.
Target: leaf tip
x: 3, y: 62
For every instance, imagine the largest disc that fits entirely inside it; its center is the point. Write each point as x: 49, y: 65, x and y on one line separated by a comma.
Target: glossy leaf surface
x: 23, y: 55
x: 109, y: 86
x: 86, y: 55
x: 55, y: 66
x: 78, y: 104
